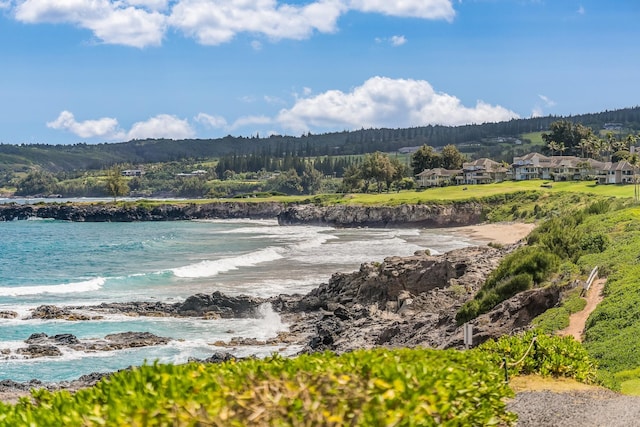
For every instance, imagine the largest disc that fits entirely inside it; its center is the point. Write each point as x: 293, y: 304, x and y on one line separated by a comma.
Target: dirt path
x: 577, y: 320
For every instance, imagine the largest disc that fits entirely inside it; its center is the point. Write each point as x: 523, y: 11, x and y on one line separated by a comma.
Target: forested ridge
x: 82, y: 156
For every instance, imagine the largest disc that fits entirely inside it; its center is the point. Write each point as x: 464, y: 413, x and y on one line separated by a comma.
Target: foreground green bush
x: 364, y: 388
x: 545, y: 355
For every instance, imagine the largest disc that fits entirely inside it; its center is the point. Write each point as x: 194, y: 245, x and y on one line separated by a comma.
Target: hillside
x: 483, y: 139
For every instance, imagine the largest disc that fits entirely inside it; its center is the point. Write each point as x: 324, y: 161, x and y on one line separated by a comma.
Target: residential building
x: 437, y: 177
x: 482, y: 171
x: 616, y: 173
x: 132, y: 172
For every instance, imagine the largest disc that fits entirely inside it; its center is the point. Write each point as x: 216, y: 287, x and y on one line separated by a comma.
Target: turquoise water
x: 63, y: 263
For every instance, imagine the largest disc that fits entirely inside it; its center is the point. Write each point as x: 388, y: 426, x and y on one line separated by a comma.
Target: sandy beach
x: 501, y: 232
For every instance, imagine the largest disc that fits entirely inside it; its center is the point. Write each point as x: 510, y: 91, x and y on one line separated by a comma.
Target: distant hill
x: 85, y: 156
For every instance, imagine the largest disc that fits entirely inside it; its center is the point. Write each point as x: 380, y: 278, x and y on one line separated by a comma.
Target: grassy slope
x: 613, y: 329
x: 451, y: 194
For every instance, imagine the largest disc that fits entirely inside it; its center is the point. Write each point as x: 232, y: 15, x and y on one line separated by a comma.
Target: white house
x: 616, y: 173
x: 482, y: 171
x: 437, y: 177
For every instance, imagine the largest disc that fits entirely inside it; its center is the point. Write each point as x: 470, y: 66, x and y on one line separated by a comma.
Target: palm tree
x: 553, y: 147
x: 583, y: 145
x: 634, y: 160
x: 631, y: 141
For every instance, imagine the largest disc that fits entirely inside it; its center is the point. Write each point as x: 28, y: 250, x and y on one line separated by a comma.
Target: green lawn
x: 457, y: 193
x: 441, y: 194
x: 534, y: 137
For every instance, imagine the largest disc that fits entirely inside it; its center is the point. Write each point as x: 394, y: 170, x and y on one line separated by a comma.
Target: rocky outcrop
x: 384, y: 284
x: 52, y: 312
x: 109, y: 212
x: 210, y: 306
x: 410, y: 301
x: 220, y: 305
x: 433, y: 215
x: 42, y: 345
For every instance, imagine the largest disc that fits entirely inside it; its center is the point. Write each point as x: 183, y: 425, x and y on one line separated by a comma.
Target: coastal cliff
x: 128, y: 212
x: 432, y: 215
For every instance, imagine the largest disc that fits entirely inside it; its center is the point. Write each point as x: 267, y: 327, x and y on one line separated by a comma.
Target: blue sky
x: 106, y: 71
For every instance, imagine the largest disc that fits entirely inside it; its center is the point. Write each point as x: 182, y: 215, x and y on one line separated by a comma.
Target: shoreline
x: 503, y: 233
x: 480, y: 234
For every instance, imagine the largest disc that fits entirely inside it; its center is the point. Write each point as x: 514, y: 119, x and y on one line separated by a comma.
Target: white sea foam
x: 67, y: 288
x: 271, y: 322
x: 272, y: 286
x: 266, y: 222
x: 210, y: 268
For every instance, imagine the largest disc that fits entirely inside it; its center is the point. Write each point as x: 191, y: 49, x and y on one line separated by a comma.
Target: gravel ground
x: 601, y: 408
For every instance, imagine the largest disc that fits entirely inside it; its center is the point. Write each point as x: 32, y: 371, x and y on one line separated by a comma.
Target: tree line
x: 84, y: 156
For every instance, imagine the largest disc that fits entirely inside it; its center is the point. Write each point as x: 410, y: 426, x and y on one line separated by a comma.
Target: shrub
x: 521, y: 270
x: 534, y: 353
x: 407, y: 387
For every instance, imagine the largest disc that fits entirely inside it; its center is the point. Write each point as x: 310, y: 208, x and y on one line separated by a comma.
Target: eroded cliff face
x: 435, y: 215
x: 445, y: 215
x: 107, y: 212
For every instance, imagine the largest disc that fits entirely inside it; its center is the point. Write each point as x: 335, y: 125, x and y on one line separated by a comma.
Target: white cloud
x: 547, y: 101
x: 161, y: 126
x: 537, y: 111
x: 385, y: 102
x: 393, y: 40
x: 149, y: 4
x: 105, y: 127
x: 141, y: 23
x: 256, y: 45
x: 249, y: 121
x: 111, y: 22
x: 211, y: 121
x: 426, y: 9
x: 581, y: 10
x: 398, y: 40
x: 274, y: 100
x: 213, y: 22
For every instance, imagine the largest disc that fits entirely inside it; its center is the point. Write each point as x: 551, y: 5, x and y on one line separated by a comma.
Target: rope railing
x: 506, y: 365
x: 592, y: 277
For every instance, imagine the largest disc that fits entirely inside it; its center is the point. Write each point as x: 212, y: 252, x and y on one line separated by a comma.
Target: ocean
x: 64, y: 263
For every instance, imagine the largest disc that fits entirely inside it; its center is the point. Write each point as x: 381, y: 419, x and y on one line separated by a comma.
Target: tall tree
x: 634, y: 160
x: 116, y: 185
x: 567, y: 133
x: 425, y: 158
x: 377, y: 167
x: 451, y: 157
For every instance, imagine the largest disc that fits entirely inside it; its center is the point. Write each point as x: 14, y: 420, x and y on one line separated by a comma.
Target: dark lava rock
x: 134, y: 339
x: 39, y: 350
x: 225, y: 306
x: 8, y: 314
x: 51, y: 312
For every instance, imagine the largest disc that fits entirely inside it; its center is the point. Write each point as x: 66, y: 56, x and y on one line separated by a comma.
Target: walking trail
x: 578, y: 320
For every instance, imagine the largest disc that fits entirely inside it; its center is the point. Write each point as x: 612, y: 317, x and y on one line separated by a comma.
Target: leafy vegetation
x: 369, y: 388
x: 557, y: 318
x: 521, y: 270
x: 558, y: 241
x: 535, y: 353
